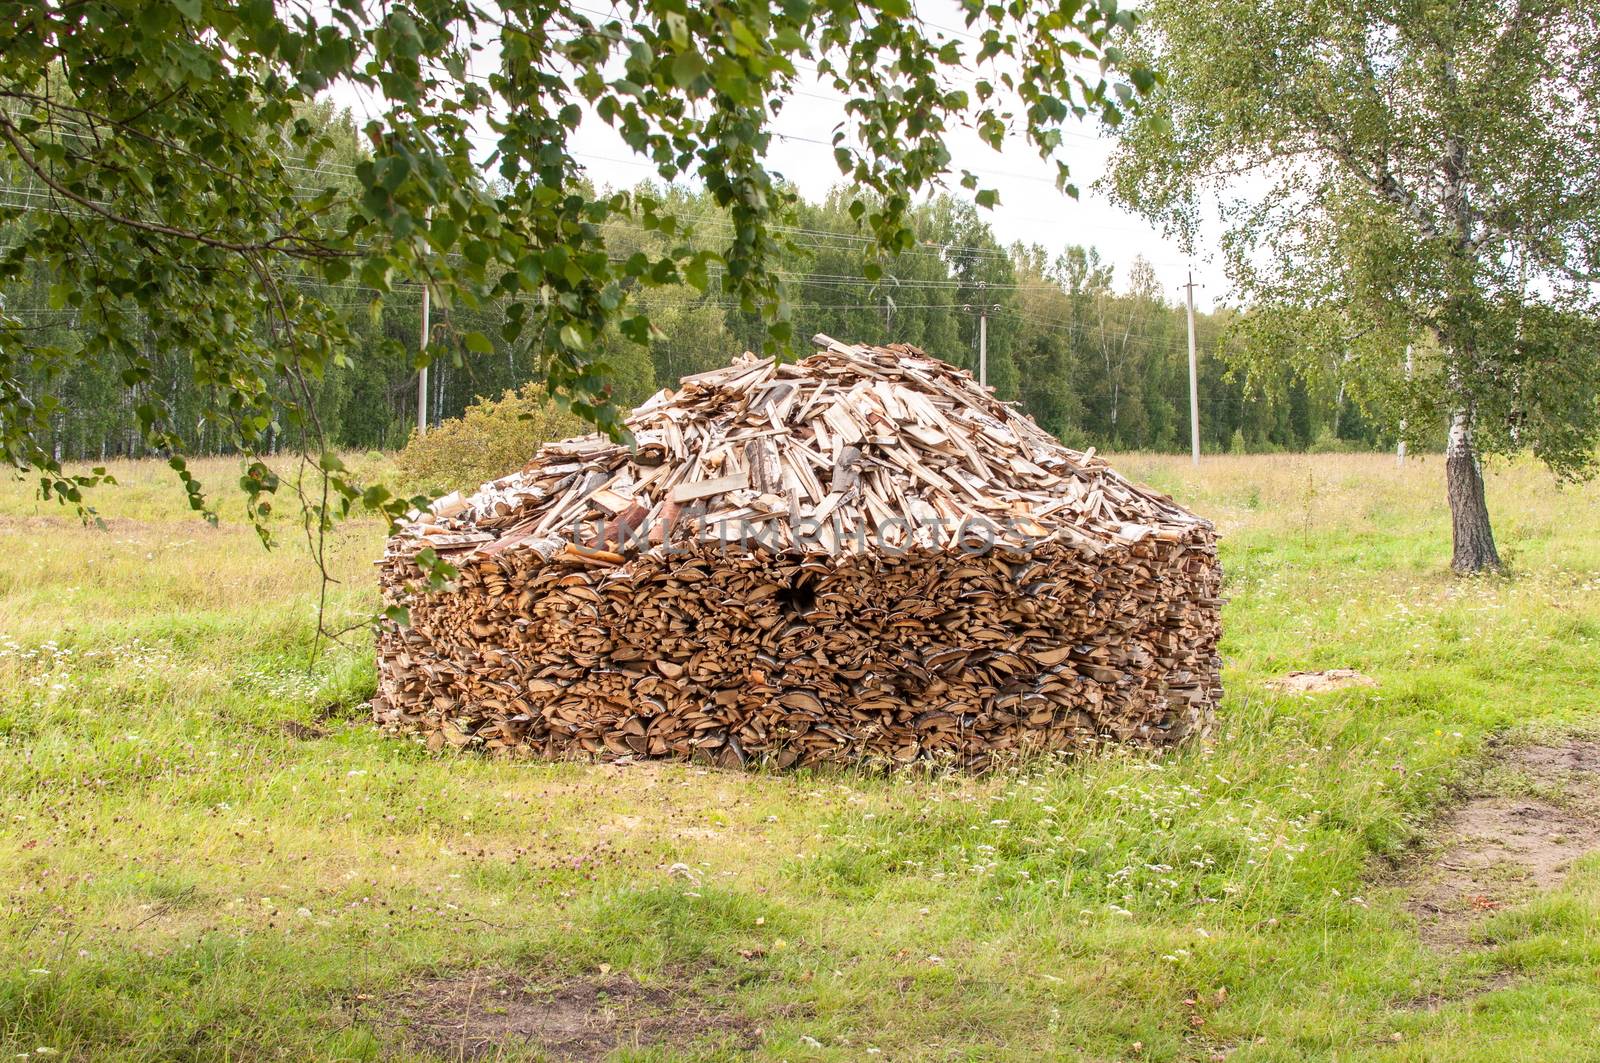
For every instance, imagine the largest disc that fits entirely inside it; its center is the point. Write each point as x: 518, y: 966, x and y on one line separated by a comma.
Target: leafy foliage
x: 177, y: 190
x: 489, y: 440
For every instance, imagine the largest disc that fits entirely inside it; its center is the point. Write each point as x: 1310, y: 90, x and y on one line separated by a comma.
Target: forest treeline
x: 1097, y: 358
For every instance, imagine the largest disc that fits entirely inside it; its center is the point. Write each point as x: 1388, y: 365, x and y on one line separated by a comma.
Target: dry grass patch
x: 1321, y: 682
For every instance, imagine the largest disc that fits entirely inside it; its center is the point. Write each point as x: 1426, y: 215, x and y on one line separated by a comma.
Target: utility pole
x: 422, y: 374
x: 983, y: 347
x: 1194, y: 381
x: 1400, y: 447
x: 983, y: 310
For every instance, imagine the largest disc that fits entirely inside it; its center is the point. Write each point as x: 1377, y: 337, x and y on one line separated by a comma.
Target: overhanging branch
x: 287, y: 244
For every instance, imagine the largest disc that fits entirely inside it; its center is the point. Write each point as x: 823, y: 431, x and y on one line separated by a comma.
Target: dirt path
x: 486, y: 1014
x: 1498, y: 850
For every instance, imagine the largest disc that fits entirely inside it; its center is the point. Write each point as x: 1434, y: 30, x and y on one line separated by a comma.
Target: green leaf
x: 677, y: 28
x: 687, y: 67
x: 443, y: 232
x: 696, y: 273
x: 636, y: 328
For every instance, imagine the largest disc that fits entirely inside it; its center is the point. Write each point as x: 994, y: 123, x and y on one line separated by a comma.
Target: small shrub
x: 1328, y: 442
x: 491, y: 438
x: 1074, y: 437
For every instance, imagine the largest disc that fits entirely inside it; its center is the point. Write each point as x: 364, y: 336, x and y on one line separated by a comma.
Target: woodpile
x: 861, y: 555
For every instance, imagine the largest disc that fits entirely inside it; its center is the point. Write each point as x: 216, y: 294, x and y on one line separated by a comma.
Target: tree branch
x: 300, y: 248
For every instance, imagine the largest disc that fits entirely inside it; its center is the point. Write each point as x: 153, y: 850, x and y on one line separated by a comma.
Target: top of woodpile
x: 856, y: 448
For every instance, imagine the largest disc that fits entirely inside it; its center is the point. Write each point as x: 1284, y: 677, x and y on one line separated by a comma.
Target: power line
x: 932, y: 248
x: 1145, y: 341
x: 329, y: 167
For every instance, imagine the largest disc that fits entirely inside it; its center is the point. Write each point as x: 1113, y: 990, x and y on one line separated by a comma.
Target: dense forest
x: 1092, y: 346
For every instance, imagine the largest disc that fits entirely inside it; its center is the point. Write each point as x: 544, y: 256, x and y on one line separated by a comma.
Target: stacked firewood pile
x: 861, y: 555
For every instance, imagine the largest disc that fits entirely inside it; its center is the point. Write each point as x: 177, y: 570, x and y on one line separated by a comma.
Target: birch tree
x: 1423, y: 171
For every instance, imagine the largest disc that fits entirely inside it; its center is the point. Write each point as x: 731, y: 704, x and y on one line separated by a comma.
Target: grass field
x: 185, y: 878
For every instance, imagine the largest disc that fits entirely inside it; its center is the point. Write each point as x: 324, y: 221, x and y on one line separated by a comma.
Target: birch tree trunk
x: 1472, y: 537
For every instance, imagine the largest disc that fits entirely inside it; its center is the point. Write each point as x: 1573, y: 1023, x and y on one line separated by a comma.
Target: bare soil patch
x: 1432, y: 1002
x: 1321, y: 682
x: 1576, y: 764
x: 495, y: 1012
x: 1498, y: 850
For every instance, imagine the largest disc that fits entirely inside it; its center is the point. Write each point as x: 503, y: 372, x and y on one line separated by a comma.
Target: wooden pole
x: 983, y: 309
x: 983, y: 334
x: 1400, y: 447
x: 1194, y: 382
x: 422, y: 374
x: 983, y: 346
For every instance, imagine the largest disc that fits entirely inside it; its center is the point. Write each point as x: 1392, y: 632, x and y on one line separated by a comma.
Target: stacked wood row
x: 861, y: 555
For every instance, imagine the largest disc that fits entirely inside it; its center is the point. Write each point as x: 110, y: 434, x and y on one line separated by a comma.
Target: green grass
x: 183, y: 880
